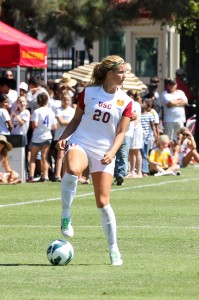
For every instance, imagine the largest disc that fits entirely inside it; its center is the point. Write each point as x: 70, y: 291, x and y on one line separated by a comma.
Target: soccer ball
x: 60, y: 252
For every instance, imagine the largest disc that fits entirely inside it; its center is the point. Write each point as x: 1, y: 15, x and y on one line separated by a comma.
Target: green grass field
x: 158, y: 235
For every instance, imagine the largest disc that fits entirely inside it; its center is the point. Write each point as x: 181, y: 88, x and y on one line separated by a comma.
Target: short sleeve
x: 80, y: 100
x: 128, y: 110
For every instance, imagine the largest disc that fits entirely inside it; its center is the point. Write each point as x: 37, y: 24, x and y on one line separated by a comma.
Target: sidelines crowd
x: 157, y: 141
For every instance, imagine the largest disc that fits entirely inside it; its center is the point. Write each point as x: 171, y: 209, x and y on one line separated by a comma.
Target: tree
x: 65, y: 20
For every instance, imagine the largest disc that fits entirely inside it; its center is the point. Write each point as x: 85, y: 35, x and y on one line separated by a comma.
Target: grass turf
x: 158, y: 226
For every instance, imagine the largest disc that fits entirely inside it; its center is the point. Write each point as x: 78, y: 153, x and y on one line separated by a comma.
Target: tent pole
x: 45, y: 75
x: 18, y: 79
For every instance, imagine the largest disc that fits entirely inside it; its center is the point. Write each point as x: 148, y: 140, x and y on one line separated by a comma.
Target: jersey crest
x: 120, y: 102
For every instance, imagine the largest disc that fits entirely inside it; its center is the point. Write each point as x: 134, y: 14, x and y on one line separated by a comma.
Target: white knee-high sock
x: 109, y: 225
x: 68, y: 187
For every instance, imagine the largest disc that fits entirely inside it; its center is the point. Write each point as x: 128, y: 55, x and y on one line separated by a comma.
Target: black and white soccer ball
x: 60, y: 252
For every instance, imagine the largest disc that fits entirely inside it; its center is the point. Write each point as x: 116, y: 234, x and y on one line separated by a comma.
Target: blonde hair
x: 163, y: 138
x: 100, y: 70
x: 182, y: 130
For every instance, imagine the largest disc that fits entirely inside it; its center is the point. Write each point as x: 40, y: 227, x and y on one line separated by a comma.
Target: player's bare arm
x: 72, y: 126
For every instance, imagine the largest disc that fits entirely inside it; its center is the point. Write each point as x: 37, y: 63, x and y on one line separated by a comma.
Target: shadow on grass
x: 40, y: 265
x: 29, y: 265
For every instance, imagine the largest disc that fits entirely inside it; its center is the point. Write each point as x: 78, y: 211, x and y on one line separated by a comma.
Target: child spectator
x: 160, y: 159
x: 43, y: 122
x: 147, y: 121
x: 20, y: 118
x: 9, y: 176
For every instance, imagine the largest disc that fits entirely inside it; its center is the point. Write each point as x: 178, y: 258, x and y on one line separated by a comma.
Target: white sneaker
x: 115, y: 258
x: 66, y: 228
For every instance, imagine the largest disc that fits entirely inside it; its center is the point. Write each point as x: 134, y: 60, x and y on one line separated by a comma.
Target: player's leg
x: 102, y: 185
x: 32, y: 164
x: 44, y: 161
x: 76, y: 161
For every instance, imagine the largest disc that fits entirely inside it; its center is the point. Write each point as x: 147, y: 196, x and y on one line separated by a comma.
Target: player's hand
x: 107, y: 159
x: 60, y: 145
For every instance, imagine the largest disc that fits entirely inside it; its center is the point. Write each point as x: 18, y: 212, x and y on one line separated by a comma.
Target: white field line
x: 92, y: 193
x: 99, y: 226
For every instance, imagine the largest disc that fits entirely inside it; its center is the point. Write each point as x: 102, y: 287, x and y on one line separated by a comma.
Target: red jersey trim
x: 128, y: 111
x: 80, y: 100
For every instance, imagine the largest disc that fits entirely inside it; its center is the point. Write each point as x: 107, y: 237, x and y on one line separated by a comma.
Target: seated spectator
x: 9, y: 176
x: 5, y: 120
x: 160, y: 159
x: 185, y: 147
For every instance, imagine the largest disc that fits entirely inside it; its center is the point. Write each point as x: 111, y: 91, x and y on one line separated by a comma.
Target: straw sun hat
x: 66, y: 79
x: 4, y: 140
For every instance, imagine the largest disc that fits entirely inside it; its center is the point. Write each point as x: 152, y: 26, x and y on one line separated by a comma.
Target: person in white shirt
x: 5, y: 120
x: 64, y: 115
x: 135, y: 157
x: 20, y: 118
x: 98, y: 128
x: 35, y: 88
x: 173, y: 102
x: 43, y: 122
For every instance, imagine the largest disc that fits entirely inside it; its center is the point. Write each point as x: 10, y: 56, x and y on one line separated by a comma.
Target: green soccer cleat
x: 66, y: 228
x: 115, y: 258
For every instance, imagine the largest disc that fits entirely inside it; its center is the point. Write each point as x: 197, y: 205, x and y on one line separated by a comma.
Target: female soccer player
x: 102, y: 116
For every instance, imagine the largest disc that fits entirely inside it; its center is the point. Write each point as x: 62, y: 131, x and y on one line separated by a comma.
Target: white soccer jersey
x: 45, y: 118
x: 4, y: 117
x: 67, y: 114
x: 102, y: 113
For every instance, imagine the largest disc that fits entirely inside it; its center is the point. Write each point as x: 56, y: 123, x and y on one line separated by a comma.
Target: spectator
x: 9, y: 176
x: 67, y: 83
x: 185, y: 147
x: 20, y: 118
x: 5, y: 120
x: 35, y: 89
x: 8, y: 74
x: 135, y: 157
x: 43, y: 122
x: 4, y: 85
x: 183, y: 85
x: 154, y: 95
x: 173, y: 102
x: 64, y: 115
x: 160, y: 158
x: 52, y: 87
x: 121, y: 161
x: 147, y: 121
x: 23, y: 89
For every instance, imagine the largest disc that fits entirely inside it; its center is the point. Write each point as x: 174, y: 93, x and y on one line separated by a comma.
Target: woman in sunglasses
x: 185, y: 146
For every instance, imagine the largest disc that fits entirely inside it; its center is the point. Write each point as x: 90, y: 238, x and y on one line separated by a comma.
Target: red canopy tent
x: 18, y: 49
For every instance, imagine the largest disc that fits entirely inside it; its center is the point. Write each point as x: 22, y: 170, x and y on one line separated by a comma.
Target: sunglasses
x: 2, y: 143
x: 185, y: 134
